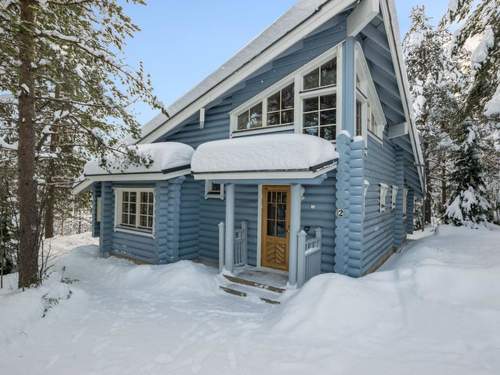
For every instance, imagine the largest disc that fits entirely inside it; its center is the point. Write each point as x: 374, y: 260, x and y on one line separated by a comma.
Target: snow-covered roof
x: 265, y: 153
x: 165, y: 156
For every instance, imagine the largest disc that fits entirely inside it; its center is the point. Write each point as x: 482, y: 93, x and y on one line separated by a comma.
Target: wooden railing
x: 309, y: 256
x: 240, y: 245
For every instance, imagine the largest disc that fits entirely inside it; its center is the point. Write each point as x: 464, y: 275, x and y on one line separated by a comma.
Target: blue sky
x: 181, y: 42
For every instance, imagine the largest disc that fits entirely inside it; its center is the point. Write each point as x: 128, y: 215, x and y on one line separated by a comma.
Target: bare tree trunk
x: 28, y: 244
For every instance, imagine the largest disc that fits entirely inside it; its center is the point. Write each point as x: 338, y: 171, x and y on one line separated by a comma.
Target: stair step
x: 251, y: 283
x: 248, y: 291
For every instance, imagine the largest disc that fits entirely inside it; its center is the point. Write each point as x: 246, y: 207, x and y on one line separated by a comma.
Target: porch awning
x: 276, y: 156
x: 168, y: 160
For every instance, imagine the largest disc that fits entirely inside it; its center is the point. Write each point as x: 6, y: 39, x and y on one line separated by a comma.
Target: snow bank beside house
x: 441, y: 294
x: 163, y: 155
x: 433, y: 309
x: 275, y: 152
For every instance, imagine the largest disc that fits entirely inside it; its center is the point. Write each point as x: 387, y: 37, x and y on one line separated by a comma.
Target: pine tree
x: 479, y: 24
x: 433, y: 78
x: 61, y: 61
x: 468, y: 203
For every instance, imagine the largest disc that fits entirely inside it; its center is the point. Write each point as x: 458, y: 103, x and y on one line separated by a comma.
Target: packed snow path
x: 435, y: 308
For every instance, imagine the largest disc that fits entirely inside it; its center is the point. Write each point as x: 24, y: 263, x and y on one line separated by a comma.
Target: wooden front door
x: 275, y: 226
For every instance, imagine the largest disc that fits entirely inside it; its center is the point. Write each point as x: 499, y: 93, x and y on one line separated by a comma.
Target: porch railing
x: 309, y: 256
x: 240, y: 244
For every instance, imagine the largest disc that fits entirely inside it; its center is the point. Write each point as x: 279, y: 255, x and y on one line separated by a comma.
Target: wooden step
x: 236, y: 290
x: 239, y: 280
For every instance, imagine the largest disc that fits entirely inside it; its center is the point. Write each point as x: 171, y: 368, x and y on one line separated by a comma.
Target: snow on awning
x: 264, y: 156
x: 169, y: 160
x: 165, y: 156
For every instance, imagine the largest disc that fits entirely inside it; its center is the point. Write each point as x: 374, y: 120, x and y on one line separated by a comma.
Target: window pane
x: 150, y: 221
x: 133, y: 197
x: 310, y: 119
x: 327, y: 101
x: 287, y: 117
x: 280, y: 229
x: 273, y: 118
x: 329, y: 73
x: 143, y: 221
x: 271, y: 227
x: 327, y: 132
x: 328, y: 117
x: 273, y: 102
x: 215, y: 188
x: 125, y: 196
x: 132, y: 219
x: 287, y: 95
x: 124, y: 219
x: 243, y: 121
x: 311, y: 104
x: 255, y: 120
x: 311, y: 80
x: 311, y: 131
x: 144, y: 209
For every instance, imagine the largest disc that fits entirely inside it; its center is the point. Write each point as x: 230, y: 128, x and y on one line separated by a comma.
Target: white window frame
x: 295, y: 77
x: 384, y: 188
x: 394, y: 196
x: 118, y: 227
x: 210, y: 194
x: 373, y: 104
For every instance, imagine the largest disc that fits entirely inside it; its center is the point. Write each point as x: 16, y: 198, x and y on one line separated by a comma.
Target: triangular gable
x: 301, y: 20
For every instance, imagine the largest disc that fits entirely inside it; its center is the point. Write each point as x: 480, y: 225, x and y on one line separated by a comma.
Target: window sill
x: 263, y: 130
x: 137, y: 232
x: 214, y: 196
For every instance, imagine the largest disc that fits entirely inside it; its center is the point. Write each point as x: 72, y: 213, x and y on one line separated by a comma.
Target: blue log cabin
x: 298, y: 156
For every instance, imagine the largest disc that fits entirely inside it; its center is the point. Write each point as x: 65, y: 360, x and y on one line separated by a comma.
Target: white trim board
x: 89, y: 180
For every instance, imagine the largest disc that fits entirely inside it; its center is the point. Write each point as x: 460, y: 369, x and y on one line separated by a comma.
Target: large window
x: 135, y: 209
x: 320, y: 116
x: 274, y: 110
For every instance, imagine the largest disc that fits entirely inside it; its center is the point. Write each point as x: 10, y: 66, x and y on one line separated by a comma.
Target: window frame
x: 210, y: 194
x: 373, y: 105
x: 137, y: 229
x: 383, y: 190
x: 296, y: 77
x: 394, y: 196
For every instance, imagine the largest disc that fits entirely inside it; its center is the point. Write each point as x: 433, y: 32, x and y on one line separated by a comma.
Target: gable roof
x: 302, y: 19
x: 295, y: 19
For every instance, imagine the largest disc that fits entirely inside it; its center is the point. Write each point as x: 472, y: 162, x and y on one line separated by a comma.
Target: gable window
x: 280, y: 107
x: 273, y: 110
x: 359, y: 117
x: 214, y: 190
x: 251, y: 119
x: 323, y: 76
x: 135, y: 209
x: 383, y: 196
x: 320, y: 116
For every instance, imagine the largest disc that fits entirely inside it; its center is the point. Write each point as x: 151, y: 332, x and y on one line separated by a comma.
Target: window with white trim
x: 214, y: 190
x: 383, y: 196
x: 135, y: 209
x: 322, y: 76
x: 394, y: 196
x: 320, y: 116
x: 276, y: 109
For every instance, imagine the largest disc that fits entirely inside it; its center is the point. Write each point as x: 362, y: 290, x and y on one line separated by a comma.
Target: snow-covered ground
x: 434, y: 308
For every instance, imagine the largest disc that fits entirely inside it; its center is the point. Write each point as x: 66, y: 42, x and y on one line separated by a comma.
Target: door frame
x: 260, y: 224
